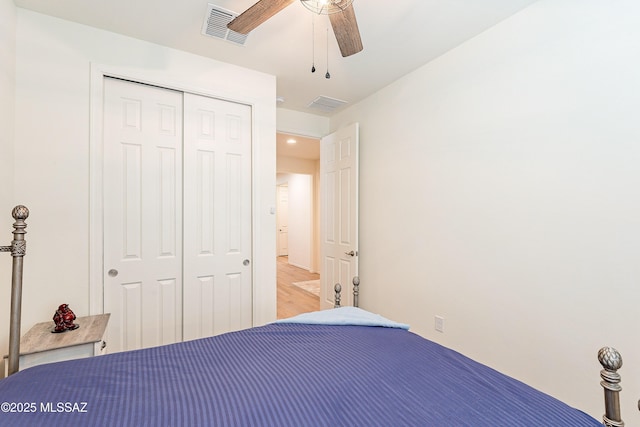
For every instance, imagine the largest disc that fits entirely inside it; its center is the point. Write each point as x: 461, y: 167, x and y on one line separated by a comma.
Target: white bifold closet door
x: 177, y: 215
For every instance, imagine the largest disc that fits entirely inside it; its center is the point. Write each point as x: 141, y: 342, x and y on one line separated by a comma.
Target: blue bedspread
x: 282, y: 375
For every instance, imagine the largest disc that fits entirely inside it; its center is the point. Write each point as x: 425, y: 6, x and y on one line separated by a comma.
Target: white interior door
x: 142, y: 215
x: 217, y: 198
x: 283, y: 220
x: 339, y: 213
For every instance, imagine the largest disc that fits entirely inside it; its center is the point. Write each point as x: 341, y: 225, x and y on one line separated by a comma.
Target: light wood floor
x: 291, y: 299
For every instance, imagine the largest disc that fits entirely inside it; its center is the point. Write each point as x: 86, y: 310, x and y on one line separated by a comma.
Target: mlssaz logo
x: 63, y: 407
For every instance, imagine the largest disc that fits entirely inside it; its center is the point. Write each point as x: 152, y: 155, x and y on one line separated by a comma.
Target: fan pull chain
x: 327, y: 76
x: 313, y: 43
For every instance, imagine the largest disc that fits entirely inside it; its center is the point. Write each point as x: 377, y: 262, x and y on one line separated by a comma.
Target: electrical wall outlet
x: 439, y: 324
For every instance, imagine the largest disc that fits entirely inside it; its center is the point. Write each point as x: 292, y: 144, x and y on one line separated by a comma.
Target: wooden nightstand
x: 39, y: 345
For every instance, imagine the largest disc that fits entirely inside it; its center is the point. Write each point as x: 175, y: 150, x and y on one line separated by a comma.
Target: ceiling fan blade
x: 256, y: 15
x: 345, y: 27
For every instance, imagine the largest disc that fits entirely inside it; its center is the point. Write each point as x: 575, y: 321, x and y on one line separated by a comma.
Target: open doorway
x: 298, y: 224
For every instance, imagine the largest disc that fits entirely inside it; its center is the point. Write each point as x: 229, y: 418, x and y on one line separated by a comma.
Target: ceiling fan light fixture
x: 326, y: 7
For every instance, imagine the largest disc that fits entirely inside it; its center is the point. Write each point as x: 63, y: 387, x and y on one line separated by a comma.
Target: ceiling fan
x: 341, y: 15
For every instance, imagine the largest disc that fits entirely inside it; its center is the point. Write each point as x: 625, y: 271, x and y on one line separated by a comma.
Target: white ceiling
x: 303, y: 148
x: 398, y: 36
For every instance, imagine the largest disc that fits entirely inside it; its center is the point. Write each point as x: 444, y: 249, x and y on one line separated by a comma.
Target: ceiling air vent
x: 326, y: 104
x: 215, y: 25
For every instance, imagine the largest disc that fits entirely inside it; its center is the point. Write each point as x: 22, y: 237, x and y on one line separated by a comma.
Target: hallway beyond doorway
x: 293, y: 300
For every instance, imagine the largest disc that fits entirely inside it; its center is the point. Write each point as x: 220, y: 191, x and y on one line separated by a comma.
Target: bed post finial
x: 18, y: 249
x: 356, y: 290
x: 611, y: 361
x: 337, y: 288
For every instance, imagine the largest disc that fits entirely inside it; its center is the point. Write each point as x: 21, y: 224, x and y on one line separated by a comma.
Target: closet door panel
x: 142, y: 215
x: 217, y: 217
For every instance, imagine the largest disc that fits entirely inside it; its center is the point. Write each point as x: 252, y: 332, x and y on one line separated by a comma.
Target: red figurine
x: 64, y: 318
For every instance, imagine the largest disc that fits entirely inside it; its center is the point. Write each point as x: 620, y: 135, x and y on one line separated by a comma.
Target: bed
x: 339, y: 367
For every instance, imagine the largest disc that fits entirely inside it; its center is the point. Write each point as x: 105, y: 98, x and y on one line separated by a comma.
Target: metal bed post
x: 337, y: 289
x: 356, y: 292
x: 18, y: 248
x: 611, y: 361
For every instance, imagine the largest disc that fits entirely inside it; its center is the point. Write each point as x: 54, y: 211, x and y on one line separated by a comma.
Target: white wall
x: 299, y: 123
x: 289, y: 165
x: 7, y: 201
x: 54, y: 59
x: 300, y: 220
x: 7, y: 107
x: 499, y: 189
x: 294, y: 165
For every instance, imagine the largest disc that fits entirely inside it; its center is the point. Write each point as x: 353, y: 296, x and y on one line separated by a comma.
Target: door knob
x: 245, y: 262
x: 113, y: 272
x: 350, y: 253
